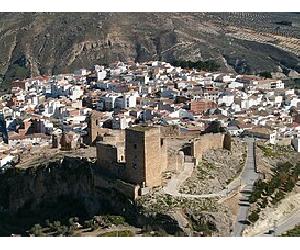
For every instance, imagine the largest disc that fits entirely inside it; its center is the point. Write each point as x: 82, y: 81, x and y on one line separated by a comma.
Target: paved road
x: 249, y: 174
x: 248, y: 177
x: 281, y: 226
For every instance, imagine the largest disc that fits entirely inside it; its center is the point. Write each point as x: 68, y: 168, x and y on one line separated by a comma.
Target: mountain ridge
x: 51, y: 43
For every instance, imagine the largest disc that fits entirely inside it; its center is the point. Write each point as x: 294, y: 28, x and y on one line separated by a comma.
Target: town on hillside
x: 158, y: 130
x: 41, y: 109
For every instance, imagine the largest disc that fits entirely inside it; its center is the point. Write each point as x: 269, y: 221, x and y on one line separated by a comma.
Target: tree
x: 289, y: 185
x: 214, y: 127
x: 71, y: 230
x: 208, y: 65
x: 71, y: 221
x: 94, y: 226
x: 48, y: 224
x: 253, y: 217
x: 56, y: 225
x: 264, y: 202
x: 265, y: 74
x: 276, y: 182
x: 36, y: 230
x: 88, y: 223
x: 278, y: 196
x: 297, y: 169
x: 62, y: 230
x: 269, y: 189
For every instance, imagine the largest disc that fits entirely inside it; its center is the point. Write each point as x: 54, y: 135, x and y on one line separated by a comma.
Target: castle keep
x: 146, y: 156
x: 139, y: 160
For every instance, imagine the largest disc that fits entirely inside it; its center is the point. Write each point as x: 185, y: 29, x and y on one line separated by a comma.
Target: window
x: 135, y: 146
x: 122, y: 157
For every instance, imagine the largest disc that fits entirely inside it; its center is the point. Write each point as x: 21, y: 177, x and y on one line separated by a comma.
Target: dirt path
x: 174, y: 184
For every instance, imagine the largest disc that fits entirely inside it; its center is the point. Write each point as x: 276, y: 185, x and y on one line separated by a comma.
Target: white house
x: 234, y: 85
x: 226, y: 99
x: 101, y: 75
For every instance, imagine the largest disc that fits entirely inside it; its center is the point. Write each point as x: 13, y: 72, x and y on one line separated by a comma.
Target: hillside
x: 49, y: 43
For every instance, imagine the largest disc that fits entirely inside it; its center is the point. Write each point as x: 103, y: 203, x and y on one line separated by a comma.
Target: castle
x: 140, y: 155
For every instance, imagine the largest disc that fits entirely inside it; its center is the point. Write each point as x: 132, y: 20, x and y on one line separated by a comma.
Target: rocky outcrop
x: 28, y: 188
x: 194, y: 215
x: 36, y: 190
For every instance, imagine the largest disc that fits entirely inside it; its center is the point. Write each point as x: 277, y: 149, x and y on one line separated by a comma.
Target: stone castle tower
x: 145, y: 153
x: 93, y: 127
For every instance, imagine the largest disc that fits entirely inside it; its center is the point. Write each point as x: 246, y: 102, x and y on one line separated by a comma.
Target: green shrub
x: 117, y: 220
x: 278, y: 196
x: 295, y: 232
x: 94, y: 226
x: 36, y: 230
x: 253, y: 217
x: 125, y: 233
x: 208, y: 65
x: 265, y: 74
x: 88, y: 223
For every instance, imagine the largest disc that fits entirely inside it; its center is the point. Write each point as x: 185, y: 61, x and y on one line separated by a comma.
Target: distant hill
x: 50, y: 43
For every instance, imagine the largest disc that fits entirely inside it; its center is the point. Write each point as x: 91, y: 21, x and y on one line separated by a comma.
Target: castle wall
x: 164, y: 155
x: 107, y: 156
x: 227, y: 141
x: 127, y: 189
x: 146, y: 154
x: 169, y: 131
x: 175, y: 161
x: 207, y: 142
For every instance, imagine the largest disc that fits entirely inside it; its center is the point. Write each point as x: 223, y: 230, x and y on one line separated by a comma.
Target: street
x: 281, y: 226
x: 248, y: 178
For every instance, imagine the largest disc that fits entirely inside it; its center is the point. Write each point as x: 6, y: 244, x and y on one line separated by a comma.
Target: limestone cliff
x: 48, y: 181
x: 28, y: 196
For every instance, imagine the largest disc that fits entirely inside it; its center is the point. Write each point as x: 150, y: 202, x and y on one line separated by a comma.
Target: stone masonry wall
x: 153, y: 156
x: 175, y: 161
x: 207, y: 142
x: 145, y: 156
